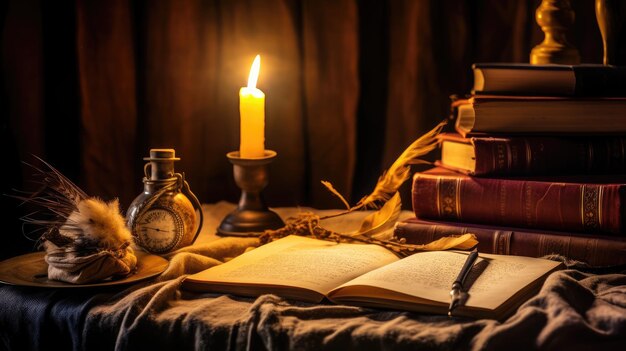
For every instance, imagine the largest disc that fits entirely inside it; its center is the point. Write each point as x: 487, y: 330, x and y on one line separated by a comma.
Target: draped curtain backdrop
x: 91, y: 86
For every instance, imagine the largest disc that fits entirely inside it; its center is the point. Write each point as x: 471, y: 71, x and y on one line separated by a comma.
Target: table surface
x: 573, y: 310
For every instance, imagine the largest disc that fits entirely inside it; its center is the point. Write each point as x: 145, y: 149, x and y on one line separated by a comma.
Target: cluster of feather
x: 73, y: 227
x: 94, y: 225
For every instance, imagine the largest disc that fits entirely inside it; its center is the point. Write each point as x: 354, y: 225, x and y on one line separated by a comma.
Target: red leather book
x: 533, y: 155
x: 594, y: 249
x: 558, y: 203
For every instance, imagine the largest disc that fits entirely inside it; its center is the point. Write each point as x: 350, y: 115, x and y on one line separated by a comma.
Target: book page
x: 429, y: 275
x: 297, y: 261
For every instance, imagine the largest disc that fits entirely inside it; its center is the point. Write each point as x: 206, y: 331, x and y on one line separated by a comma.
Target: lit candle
x: 252, y: 114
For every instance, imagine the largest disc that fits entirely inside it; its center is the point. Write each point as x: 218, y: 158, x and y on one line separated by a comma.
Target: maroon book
x: 596, y: 250
x: 533, y: 155
x: 595, y: 205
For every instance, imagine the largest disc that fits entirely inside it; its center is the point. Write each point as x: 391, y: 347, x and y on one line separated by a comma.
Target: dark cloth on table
x: 573, y: 311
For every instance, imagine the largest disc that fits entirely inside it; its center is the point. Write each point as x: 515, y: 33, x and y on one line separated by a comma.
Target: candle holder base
x: 249, y: 223
x: 252, y: 216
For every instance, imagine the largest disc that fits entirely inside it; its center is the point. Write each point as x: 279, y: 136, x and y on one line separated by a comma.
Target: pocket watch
x: 160, y: 229
x: 167, y: 215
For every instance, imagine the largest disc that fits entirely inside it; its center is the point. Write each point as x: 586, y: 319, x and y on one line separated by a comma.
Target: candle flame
x: 254, y: 72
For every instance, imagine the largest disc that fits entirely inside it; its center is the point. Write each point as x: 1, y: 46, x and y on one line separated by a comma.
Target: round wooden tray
x: 32, y: 270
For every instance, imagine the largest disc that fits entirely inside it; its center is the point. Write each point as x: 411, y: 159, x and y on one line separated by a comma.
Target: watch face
x: 159, y: 230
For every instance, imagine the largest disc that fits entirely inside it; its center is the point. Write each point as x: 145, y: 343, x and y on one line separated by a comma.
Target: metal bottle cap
x: 161, y: 164
x: 162, y: 155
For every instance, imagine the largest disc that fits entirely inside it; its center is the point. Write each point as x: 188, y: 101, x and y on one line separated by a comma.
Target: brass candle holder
x: 252, y: 216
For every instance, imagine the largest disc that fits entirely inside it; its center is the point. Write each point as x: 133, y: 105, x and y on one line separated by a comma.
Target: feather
x: 399, y: 171
x: 67, y: 217
x: 382, y: 219
x: 461, y: 242
x: 57, y: 185
x: 332, y: 189
x: 96, y: 224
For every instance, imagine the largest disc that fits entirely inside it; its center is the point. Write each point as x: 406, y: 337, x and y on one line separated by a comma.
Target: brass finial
x: 554, y: 17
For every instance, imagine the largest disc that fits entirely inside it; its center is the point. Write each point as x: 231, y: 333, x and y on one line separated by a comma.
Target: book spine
x: 526, y: 156
x: 593, y: 250
x: 587, y: 208
x: 600, y: 81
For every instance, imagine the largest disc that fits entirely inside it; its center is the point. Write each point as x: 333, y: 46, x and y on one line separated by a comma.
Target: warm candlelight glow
x: 252, y: 114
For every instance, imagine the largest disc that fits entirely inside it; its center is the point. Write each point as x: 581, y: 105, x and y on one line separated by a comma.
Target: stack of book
x: 537, y: 165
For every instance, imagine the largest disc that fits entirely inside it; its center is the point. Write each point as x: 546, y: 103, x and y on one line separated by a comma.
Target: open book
x: 369, y: 275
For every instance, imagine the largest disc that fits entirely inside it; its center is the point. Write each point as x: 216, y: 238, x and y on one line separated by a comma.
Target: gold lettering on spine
x: 509, y: 157
x: 502, y: 200
x: 448, y: 198
x: 529, y: 204
x: 600, y: 195
x: 591, y: 196
x: 438, y: 185
x: 458, y: 197
x: 529, y: 155
x: 500, y: 155
x: 502, y: 242
x: 549, y: 245
x: 496, y: 243
x: 582, y: 205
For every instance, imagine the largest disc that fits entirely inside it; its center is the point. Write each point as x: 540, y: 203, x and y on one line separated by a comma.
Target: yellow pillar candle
x: 252, y: 114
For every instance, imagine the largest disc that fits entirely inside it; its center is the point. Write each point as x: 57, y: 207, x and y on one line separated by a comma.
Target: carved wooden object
x: 554, y: 17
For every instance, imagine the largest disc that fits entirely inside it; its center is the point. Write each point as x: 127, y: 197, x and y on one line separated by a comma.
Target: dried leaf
x: 399, y: 171
x: 462, y: 242
x: 382, y: 219
x: 330, y: 187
